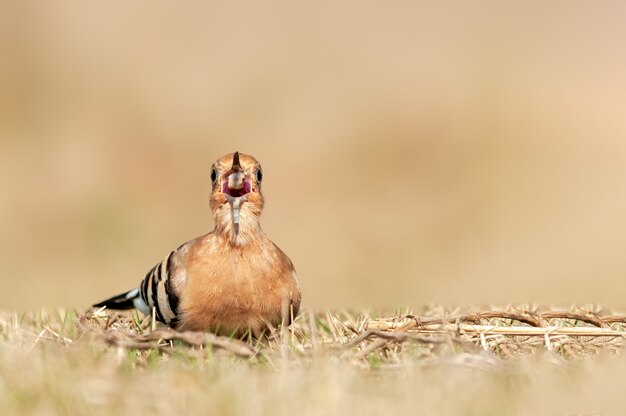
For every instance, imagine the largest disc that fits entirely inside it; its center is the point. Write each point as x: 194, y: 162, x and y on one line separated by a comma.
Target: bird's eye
x: 259, y: 175
x: 213, y: 176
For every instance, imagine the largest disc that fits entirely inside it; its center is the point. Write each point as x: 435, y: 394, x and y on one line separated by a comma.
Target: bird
x: 232, y: 281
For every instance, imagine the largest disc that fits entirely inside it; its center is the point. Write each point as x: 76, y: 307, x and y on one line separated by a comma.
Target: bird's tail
x: 121, y: 301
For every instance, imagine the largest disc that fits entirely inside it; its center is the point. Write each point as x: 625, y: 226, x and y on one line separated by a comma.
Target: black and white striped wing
x: 159, y: 291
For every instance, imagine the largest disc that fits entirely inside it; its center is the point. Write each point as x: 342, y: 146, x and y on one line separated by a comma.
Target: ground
x: 435, y: 360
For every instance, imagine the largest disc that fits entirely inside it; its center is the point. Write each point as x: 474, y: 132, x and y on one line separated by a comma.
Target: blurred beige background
x: 413, y: 153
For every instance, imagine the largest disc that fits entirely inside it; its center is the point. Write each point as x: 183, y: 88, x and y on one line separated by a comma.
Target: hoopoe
x: 229, y: 281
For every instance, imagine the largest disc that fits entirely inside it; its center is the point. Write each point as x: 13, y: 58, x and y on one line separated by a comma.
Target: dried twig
x: 155, y: 339
x: 588, y: 318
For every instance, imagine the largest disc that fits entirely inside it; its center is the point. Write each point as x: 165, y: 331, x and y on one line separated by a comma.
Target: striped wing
x: 159, y: 291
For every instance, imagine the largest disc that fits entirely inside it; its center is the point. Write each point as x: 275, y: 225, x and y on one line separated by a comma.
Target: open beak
x: 236, y: 186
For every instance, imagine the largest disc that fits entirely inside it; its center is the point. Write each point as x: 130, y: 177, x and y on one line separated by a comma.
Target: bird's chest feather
x: 235, y: 287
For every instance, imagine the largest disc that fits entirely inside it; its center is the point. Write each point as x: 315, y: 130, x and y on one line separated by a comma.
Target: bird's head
x: 236, y: 199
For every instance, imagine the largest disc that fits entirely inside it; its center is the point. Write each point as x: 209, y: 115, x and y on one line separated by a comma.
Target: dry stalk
x: 505, y: 330
x: 156, y: 338
x: 589, y: 318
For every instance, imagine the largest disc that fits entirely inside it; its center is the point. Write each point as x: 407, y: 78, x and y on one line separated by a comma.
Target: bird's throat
x: 239, y: 221
x: 235, y: 209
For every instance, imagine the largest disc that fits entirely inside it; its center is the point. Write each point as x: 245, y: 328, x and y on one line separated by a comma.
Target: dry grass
x: 466, y: 361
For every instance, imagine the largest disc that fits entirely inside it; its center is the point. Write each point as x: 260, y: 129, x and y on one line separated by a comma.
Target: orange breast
x: 233, y: 290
